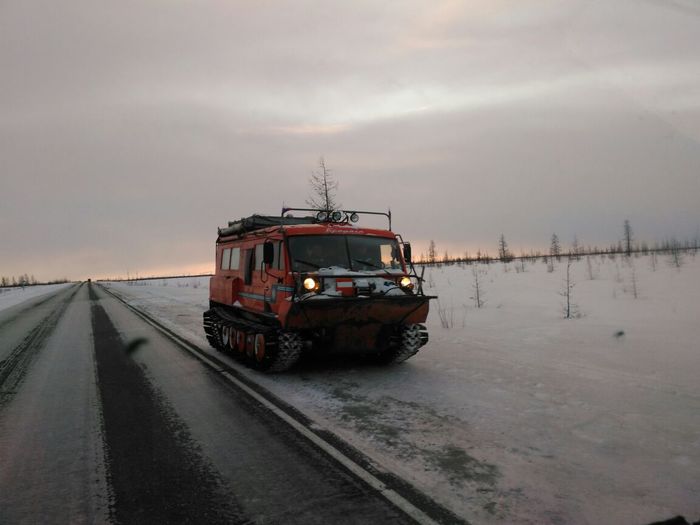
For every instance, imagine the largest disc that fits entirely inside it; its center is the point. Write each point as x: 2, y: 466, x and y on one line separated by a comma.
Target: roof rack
x: 258, y: 222
x: 337, y: 215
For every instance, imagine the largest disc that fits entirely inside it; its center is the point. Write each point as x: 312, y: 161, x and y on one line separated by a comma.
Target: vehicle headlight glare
x: 405, y: 282
x: 310, y: 284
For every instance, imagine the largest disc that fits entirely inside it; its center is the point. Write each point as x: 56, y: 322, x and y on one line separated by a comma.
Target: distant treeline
x: 128, y: 278
x: 26, y: 280
x: 627, y: 246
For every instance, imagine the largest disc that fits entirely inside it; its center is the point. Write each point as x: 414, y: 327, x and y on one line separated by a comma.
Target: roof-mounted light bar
x: 339, y: 216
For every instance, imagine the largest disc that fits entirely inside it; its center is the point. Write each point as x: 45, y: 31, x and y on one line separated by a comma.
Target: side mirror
x: 268, y: 253
x: 407, y: 252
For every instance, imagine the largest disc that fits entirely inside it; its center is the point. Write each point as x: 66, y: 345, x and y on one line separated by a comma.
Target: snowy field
x: 513, y: 414
x: 15, y: 295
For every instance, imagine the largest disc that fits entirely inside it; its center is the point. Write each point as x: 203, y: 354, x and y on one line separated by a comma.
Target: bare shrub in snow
x: 430, y: 282
x: 446, y: 316
x: 618, y: 276
x: 589, y: 268
x: 633, y: 280
x: 653, y: 261
x: 675, y: 254
x: 477, y: 287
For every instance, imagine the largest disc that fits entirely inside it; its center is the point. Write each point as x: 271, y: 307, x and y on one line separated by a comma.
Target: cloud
x: 130, y: 131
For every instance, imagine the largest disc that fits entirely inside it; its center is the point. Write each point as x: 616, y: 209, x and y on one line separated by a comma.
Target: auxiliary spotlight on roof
x: 342, y: 216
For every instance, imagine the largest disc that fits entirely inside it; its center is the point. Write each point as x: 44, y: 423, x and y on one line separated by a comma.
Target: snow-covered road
x: 513, y: 414
x: 103, y: 419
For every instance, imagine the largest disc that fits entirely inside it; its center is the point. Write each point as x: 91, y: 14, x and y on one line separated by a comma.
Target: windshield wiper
x: 307, y: 263
x: 368, y: 263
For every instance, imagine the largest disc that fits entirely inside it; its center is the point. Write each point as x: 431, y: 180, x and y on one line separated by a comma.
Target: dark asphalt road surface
x: 91, y: 432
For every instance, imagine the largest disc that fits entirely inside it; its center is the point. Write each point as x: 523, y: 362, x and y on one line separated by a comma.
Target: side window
x: 258, y: 256
x: 249, y: 260
x: 235, y: 258
x: 225, y: 258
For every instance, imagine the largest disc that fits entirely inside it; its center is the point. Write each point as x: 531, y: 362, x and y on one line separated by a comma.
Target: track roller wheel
x: 225, y: 337
x: 250, y: 346
x: 259, y: 350
x: 232, y: 339
x: 240, y: 341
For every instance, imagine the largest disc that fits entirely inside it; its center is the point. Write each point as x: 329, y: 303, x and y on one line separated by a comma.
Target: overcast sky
x: 130, y: 130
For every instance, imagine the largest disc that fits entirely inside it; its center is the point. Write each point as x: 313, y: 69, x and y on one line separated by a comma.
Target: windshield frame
x: 350, y: 263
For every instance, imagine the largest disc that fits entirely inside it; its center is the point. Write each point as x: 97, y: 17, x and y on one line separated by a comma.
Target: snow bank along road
x: 104, y: 416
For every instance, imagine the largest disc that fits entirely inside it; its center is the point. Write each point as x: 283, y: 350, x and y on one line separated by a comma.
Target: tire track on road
x: 155, y: 469
x: 34, y: 302
x: 15, y: 366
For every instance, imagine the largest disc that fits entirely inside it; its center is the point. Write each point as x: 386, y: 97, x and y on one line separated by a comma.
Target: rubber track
x: 406, y: 344
x: 285, y: 345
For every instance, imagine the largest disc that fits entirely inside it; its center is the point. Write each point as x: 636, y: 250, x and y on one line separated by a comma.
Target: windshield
x: 354, y: 252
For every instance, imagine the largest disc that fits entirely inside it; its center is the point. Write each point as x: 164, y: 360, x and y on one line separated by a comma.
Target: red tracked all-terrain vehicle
x: 320, y: 283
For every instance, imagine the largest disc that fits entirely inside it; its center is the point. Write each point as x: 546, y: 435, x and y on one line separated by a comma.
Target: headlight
x: 310, y: 284
x: 405, y: 282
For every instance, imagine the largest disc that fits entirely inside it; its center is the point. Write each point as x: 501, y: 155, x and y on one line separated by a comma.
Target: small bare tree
x: 504, y: 254
x: 323, y: 188
x: 555, y: 247
x: 576, y: 248
x: 627, y: 235
x: 432, y: 252
x: 569, y: 307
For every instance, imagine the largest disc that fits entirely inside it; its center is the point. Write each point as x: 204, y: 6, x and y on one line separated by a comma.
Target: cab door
x: 225, y: 283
